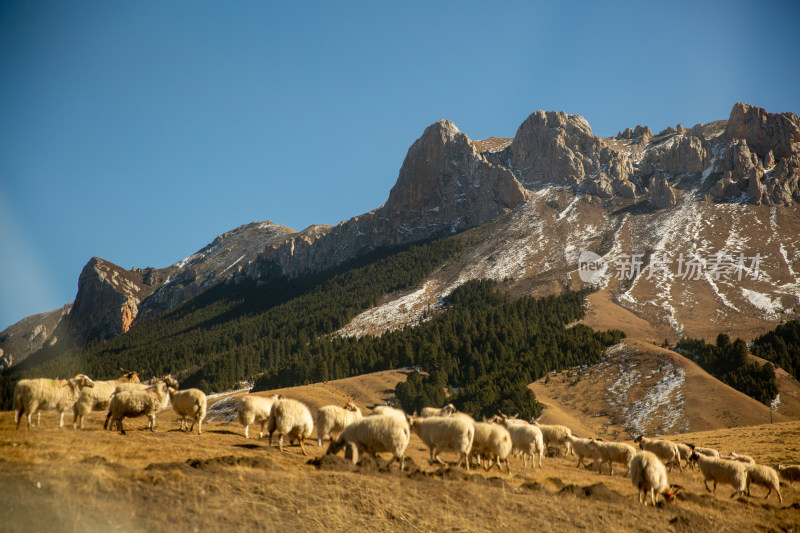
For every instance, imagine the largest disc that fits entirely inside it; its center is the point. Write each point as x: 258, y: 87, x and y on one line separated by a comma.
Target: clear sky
x: 139, y: 131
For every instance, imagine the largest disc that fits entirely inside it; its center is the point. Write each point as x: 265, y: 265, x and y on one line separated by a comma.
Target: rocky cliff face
x: 445, y: 185
x: 107, y: 302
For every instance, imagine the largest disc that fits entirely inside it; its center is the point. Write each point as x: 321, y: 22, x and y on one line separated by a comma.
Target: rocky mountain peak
x: 442, y: 167
x: 764, y: 132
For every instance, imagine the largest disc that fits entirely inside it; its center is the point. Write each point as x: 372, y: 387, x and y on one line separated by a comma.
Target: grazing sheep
x: 493, y: 442
x: 99, y: 396
x: 666, y: 450
x: 375, y: 434
x: 611, y: 452
x: 710, y: 452
x: 189, y: 403
x: 133, y: 403
x: 255, y: 410
x: 445, y: 433
x: 291, y: 419
x: 746, y: 459
x: 526, y: 439
x: 649, y: 474
x: 388, y: 410
x: 764, y: 476
x: 555, y: 434
x: 790, y: 473
x: 733, y: 473
x: 43, y: 394
x: 447, y: 410
x: 332, y: 419
x: 580, y: 447
x: 684, y: 452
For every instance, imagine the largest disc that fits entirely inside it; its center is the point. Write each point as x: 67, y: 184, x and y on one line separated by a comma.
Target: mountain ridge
x: 449, y: 183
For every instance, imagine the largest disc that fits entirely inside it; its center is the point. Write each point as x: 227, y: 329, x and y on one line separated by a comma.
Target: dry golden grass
x: 95, y: 480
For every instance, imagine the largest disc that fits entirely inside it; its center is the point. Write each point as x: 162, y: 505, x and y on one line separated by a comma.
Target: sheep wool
x: 733, y: 473
x: 42, y: 394
x: 766, y: 477
x: 648, y: 474
x: 291, y: 419
x: 255, y: 410
x: 445, y: 433
x: 189, y: 404
x: 372, y: 435
x: 332, y: 419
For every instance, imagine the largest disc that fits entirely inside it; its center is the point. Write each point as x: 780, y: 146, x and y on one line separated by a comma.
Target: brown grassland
x: 93, y: 480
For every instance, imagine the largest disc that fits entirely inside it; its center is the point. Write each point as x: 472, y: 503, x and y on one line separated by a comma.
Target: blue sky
x: 139, y: 131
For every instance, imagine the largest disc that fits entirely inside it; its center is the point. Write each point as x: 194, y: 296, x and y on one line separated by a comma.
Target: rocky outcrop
x: 760, y: 157
x: 763, y: 131
x: 107, y: 297
x: 445, y: 185
x: 30, y: 334
x: 662, y: 195
x: 556, y: 148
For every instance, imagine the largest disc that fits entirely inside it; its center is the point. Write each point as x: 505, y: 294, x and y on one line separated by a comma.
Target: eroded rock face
x: 662, y: 194
x: 107, y: 301
x: 763, y: 131
x: 760, y: 157
x: 445, y: 185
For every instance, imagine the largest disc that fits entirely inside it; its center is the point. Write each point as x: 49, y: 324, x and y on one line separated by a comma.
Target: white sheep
x: 555, y: 434
x: 580, y: 447
x: 710, y: 452
x: 746, y: 459
x: 389, y: 410
x: 526, y: 439
x: 684, y: 452
x: 255, y: 410
x: 445, y: 433
x: 766, y: 477
x: 189, y: 403
x: 733, y: 473
x: 493, y: 442
x: 332, y: 419
x: 133, y: 403
x: 375, y: 434
x: 790, y: 473
x: 611, y: 452
x: 43, y: 394
x: 447, y: 410
x: 291, y: 419
x: 666, y: 450
x: 99, y: 396
x: 648, y: 474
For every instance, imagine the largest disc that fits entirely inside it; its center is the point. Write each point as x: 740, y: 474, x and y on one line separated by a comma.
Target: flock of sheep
x: 388, y: 430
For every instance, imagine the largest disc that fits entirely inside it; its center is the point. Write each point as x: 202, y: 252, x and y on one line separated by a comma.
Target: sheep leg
x: 261, y: 433
x: 302, y: 445
x: 653, y: 496
x: 119, y: 425
x: 280, y: 441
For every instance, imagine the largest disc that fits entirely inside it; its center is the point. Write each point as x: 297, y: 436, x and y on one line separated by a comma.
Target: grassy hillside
x: 64, y: 480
